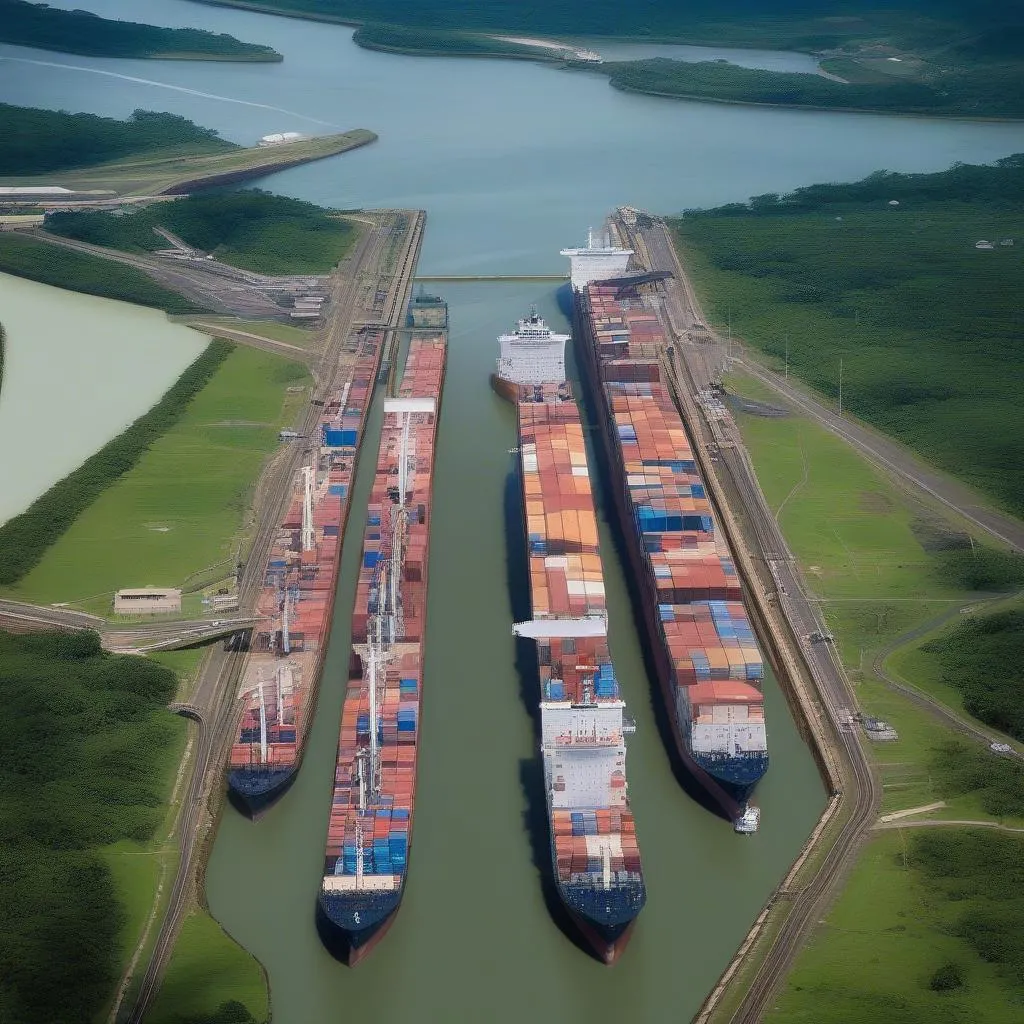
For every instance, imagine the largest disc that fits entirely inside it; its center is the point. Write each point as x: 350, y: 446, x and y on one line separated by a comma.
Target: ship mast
x: 263, y: 726
x: 308, y: 539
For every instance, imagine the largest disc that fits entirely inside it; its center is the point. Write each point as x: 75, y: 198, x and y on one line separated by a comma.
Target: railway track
x: 785, y: 611
x: 214, y: 705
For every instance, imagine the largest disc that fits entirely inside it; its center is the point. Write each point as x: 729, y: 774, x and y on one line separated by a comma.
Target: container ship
x: 532, y: 354
x: 704, y: 650
x: 282, y: 670
x: 594, y: 851
x: 371, y: 815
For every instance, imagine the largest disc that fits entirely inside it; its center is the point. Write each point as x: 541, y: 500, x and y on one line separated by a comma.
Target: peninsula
x: 50, y: 28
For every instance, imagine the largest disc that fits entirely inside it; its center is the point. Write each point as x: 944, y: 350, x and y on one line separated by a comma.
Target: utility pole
x: 840, y: 385
x: 787, y: 357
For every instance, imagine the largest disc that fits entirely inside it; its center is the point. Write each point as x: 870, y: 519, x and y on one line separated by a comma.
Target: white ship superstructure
x: 598, y: 261
x: 534, y: 354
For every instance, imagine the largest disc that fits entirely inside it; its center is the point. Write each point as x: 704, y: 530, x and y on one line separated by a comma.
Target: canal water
x: 78, y: 370
x: 512, y: 161
x: 474, y: 939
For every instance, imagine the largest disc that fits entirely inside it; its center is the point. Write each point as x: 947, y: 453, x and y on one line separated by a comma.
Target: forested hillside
x: 50, y: 28
x: 37, y: 141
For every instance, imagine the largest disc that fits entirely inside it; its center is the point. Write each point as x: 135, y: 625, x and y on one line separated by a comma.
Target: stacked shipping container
x: 375, y: 774
x: 704, y: 649
x: 281, y: 674
x: 593, y: 836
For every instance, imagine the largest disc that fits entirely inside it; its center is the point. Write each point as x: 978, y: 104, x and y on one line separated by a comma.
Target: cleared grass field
x: 162, y: 172
x: 879, y: 948
x: 858, y: 539
x: 207, y: 969
x: 180, y: 510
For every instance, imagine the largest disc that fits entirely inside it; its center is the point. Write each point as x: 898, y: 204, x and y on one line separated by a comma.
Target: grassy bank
x: 41, y: 141
x: 79, y: 776
x: 922, y: 321
x: 26, y: 538
x: 897, y: 947
x: 49, y: 28
x: 82, y: 272
x: 880, y: 563
x: 253, y: 230
x: 208, y: 973
x: 180, y: 508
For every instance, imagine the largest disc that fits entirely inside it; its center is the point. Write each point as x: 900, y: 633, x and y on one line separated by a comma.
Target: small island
x: 81, y: 32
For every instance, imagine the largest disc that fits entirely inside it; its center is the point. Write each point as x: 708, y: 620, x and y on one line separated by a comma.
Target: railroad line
x: 785, y: 613
x: 214, y: 706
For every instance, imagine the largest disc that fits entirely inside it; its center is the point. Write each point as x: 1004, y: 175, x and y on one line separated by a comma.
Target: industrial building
x: 147, y: 601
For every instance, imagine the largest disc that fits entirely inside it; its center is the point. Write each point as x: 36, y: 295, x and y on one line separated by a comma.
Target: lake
x: 78, y: 370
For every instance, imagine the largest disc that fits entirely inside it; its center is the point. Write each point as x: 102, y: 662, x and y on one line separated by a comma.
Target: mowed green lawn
x: 181, y: 508
x: 848, y: 524
x: 872, y: 960
x: 207, y: 969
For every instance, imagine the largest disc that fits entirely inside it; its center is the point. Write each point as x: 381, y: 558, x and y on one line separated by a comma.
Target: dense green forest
x: 50, y: 28
x: 83, y: 272
x: 25, y: 538
x: 983, y: 658
x: 883, y: 275
x: 85, y: 737
x: 37, y: 141
x: 992, y: 90
x: 979, y: 876
x: 251, y: 229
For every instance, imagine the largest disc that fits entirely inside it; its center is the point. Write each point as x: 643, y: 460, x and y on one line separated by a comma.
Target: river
x: 78, y: 370
x: 511, y: 160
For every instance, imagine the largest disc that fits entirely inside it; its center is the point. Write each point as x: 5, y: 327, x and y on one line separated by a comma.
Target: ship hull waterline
x: 725, y: 802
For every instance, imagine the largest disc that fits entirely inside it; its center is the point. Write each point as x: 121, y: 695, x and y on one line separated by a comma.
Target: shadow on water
x: 531, y: 770
x: 602, y: 477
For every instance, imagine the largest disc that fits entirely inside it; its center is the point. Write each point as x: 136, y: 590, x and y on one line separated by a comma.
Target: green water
x: 474, y: 939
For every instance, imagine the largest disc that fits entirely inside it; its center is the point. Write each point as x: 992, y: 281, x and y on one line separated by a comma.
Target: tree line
x: 37, y: 141
x: 25, y: 538
x: 50, y: 28
x: 85, y: 737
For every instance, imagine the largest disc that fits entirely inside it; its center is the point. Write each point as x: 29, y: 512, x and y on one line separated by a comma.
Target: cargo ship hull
x: 254, y: 790
x: 369, y: 837
x: 506, y: 389
x: 728, y: 797
x: 352, y: 928
x: 606, y: 927
x: 595, y: 857
x: 281, y: 676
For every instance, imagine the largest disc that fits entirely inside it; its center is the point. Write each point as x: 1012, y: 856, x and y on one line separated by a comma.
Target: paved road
x: 945, y: 714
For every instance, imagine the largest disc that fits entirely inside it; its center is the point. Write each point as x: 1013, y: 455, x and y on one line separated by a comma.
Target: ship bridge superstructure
x: 601, y: 258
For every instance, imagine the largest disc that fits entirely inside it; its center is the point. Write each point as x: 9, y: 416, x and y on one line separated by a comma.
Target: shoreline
x: 874, y: 112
